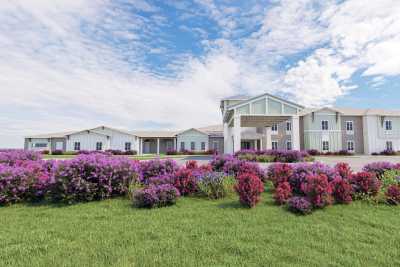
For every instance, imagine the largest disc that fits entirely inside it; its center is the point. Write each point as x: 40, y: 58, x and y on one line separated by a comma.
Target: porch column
x: 158, y: 146
x: 295, y: 133
x: 236, y: 134
x: 175, y: 144
x: 141, y: 146
x: 268, y: 133
x: 226, y: 138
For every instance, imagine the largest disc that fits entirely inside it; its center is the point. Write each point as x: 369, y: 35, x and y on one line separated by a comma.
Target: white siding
x: 192, y: 136
x: 375, y: 135
x: 118, y: 139
x: 88, y: 141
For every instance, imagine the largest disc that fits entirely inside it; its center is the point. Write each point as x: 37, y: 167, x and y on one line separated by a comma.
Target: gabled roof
x: 192, y: 129
x: 353, y: 111
x: 51, y: 135
x: 213, y: 130
x: 262, y: 95
x: 155, y: 134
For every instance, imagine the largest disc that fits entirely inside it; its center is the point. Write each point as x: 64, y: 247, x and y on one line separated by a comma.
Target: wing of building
x: 261, y: 122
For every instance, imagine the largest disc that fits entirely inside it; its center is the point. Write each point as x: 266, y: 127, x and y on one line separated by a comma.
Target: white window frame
x: 323, y: 146
x: 389, y: 147
x: 352, y: 146
x: 192, y: 146
x: 77, y: 145
x: 128, y: 145
x: 322, y: 125
x: 289, y: 145
x: 274, y: 129
x: 182, y: 146
x: 203, y: 146
x: 288, y: 127
x: 99, y: 146
x: 274, y: 145
x: 388, y: 125
x: 351, y: 131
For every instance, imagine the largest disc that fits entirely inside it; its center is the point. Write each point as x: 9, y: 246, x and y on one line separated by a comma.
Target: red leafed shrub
x: 185, y: 181
x: 249, y: 189
x: 344, y: 170
x: 279, y: 173
x: 393, y: 194
x: 282, y: 193
x: 365, y: 183
x: 342, y: 190
x: 191, y: 164
x: 317, y: 189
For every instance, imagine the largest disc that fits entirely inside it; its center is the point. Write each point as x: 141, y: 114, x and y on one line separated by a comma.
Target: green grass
x: 198, y: 232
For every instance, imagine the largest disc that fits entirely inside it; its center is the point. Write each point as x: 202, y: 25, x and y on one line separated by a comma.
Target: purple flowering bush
x: 215, y: 185
x: 156, y: 167
x: 155, y: 196
x: 92, y: 177
x: 271, y: 155
x: 379, y: 168
x: 300, y: 205
x: 13, y: 156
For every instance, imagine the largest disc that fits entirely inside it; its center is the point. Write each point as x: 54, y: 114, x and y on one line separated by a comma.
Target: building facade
x: 261, y: 122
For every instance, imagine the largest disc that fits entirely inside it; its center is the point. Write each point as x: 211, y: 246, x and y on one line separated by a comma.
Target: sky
x: 155, y: 64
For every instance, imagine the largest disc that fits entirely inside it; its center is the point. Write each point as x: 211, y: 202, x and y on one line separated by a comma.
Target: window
x: 350, y: 146
x: 182, y: 146
x: 388, y: 125
x: 192, y: 146
x: 77, y: 146
x: 99, y: 146
x: 203, y: 145
x: 325, y: 146
x: 40, y: 145
x: 389, y: 145
x: 128, y: 146
x: 216, y: 146
x: 274, y: 145
x: 288, y: 126
x: 349, y: 127
x: 324, y: 125
x: 274, y: 128
x: 289, y: 145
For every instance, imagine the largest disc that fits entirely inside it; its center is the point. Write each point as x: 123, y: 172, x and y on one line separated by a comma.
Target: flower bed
x: 190, y: 152
x: 287, y: 156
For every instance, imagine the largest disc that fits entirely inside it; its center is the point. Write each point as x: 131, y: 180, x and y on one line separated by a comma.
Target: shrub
x: 92, y: 177
x: 191, y: 164
x: 218, y: 162
x: 282, y: 193
x: 45, y: 152
x: 215, y: 185
x: 300, y: 205
x: 342, y: 190
x: 12, y: 156
x: 161, y: 179
x: 185, y: 181
x: 279, y: 173
x: 156, y: 167
x: 379, y: 168
x: 264, y: 158
x: 393, y: 195
x: 365, y: 184
x: 249, y: 188
x: 388, y: 152
x: 57, y: 152
x: 155, y: 196
x: 344, y: 170
x: 313, y: 152
x: 317, y: 189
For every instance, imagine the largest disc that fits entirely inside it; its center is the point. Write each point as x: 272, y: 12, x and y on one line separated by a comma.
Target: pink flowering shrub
x: 282, y: 193
x: 318, y: 190
x: 249, y: 188
x: 279, y: 173
x: 155, y: 196
x: 365, y: 183
x: 92, y: 177
x: 185, y: 181
x: 393, y: 194
x: 342, y: 190
x: 344, y: 170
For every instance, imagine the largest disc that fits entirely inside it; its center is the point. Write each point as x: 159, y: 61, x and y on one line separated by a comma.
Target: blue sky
x: 142, y: 64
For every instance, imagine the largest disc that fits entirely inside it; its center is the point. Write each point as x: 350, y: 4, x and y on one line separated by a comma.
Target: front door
x: 146, y: 148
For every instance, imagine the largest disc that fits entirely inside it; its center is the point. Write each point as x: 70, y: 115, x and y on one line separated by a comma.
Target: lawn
x: 198, y: 232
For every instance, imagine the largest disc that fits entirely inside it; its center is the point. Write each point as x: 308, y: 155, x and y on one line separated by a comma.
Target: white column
x: 268, y: 133
x: 295, y: 133
x: 158, y: 146
x: 175, y: 145
x: 236, y: 134
x: 141, y: 146
x: 226, y: 138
